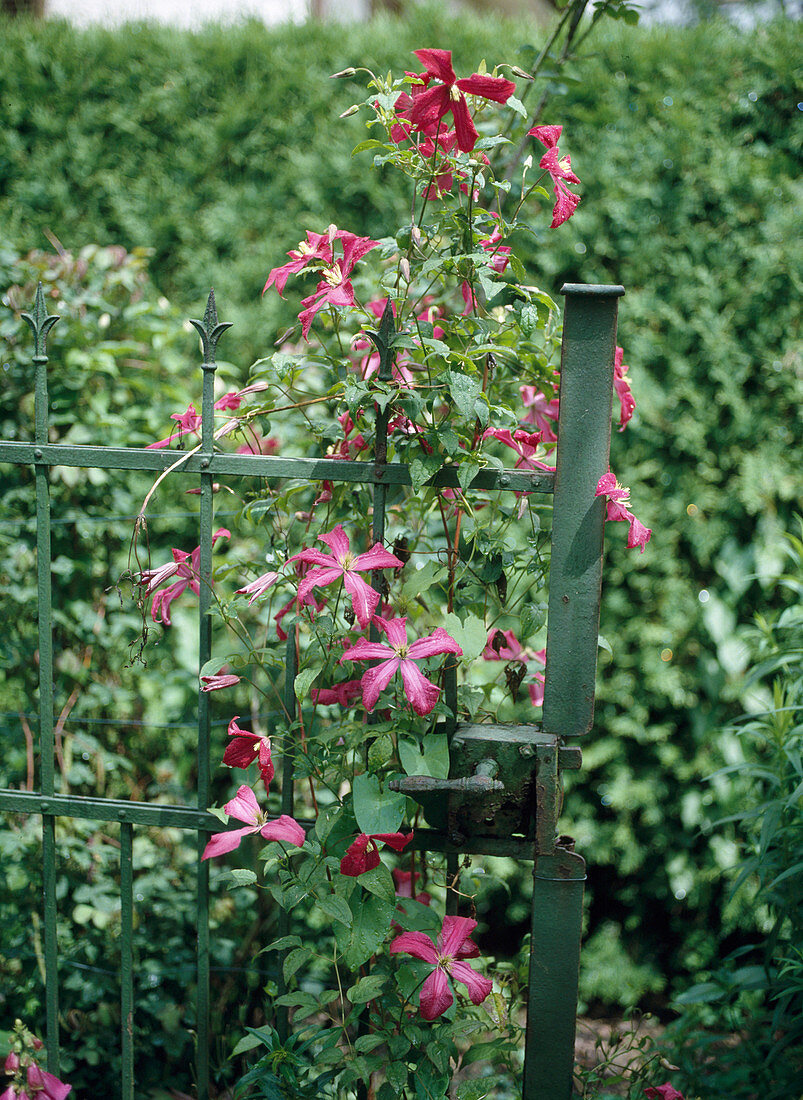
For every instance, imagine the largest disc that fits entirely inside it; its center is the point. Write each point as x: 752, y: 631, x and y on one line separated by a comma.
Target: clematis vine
x: 618, y: 496
x: 449, y: 96
x: 363, y: 853
x: 560, y: 169
x: 341, y: 562
x: 400, y: 655
x: 244, y: 807
x: 446, y: 956
x: 246, y: 747
x: 187, y: 567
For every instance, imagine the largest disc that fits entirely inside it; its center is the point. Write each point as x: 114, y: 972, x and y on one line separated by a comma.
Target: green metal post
x: 41, y: 325
x: 575, y: 572
x: 210, y: 332
x: 288, y: 801
x: 126, y: 956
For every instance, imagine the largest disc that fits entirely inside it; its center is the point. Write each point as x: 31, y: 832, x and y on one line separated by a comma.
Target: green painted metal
x: 575, y: 571
x: 503, y: 794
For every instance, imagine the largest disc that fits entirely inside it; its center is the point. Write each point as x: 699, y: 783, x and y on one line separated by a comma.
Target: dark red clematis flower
x: 363, y: 854
x: 245, y: 747
x: 437, y: 100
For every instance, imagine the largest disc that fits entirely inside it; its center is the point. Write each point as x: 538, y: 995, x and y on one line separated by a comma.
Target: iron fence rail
x: 574, y: 596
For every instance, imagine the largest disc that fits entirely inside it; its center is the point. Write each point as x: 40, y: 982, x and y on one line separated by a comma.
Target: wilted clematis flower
x: 622, y: 386
x: 246, y: 747
x: 618, y: 496
x: 401, y: 655
x: 503, y: 645
x: 244, y: 807
x: 341, y: 562
x: 343, y: 693
x: 438, y: 100
x: 259, y: 587
x: 187, y: 566
x: 220, y: 681
x: 363, y: 853
x: 453, y: 945
x: 560, y: 169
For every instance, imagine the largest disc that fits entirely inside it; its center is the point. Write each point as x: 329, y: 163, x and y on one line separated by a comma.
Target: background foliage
x: 217, y: 150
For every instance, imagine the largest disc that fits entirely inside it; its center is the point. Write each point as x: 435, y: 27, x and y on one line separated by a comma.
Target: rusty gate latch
x: 504, y: 781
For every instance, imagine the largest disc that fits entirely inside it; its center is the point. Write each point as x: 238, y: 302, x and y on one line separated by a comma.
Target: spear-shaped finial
x: 383, y: 338
x: 209, y: 329
x: 40, y: 323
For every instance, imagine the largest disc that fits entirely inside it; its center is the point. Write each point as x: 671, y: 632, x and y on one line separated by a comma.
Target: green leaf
x: 379, y: 881
x: 283, y: 943
x: 422, y: 469
x: 377, y: 810
x: 517, y: 106
x: 466, y: 472
x: 336, y: 908
x: 432, y: 758
x: 248, y: 1042
x: 366, y: 989
x: 422, y: 579
x: 470, y: 635
x: 396, y: 1074
x: 533, y: 617
x: 296, y: 958
x: 242, y: 877
x: 371, y: 925
x: 465, y: 391
x: 366, y: 1043
x: 370, y: 143
x: 304, y: 681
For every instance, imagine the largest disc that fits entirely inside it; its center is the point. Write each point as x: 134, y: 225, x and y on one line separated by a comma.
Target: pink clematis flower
x: 343, y: 693
x: 621, y: 384
x: 403, y: 883
x: 560, y: 169
x: 44, y: 1086
x: 259, y: 587
x: 246, y: 747
x: 189, y: 423
x: 187, y: 566
x: 436, y: 101
x: 401, y: 655
x: 217, y: 683
x: 618, y: 496
x: 245, y: 808
x: 541, y: 412
x: 341, y: 562
x: 335, y: 288
x: 363, y: 853
x: 453, y: 945
x: 663, y: 1092
x: 524, y: 443
x: 316, y: 250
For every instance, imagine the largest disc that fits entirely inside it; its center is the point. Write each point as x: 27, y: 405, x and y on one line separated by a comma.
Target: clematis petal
x: 638, y: 535
x: 364, y: 598
x: 453, y: 934
x: 361, y: 855
x: 375, y: 680
x: 436, y: 642
x: 565, y: 205
x: 463, y: 124
x: 314, y: 557
x: 318, y: 578
x: 364, y: 650
x: 547, y: 135
x: 221, y: 843
x: 416, y: 944
x: 396, y: 841
x: 377, y: 558
x: 338, y: 542
x: 395, y: 630
x: 436, y: 996
x: 429, y: 107
x: 45, y: 1085
x: 244, y: 806
x: 258, y: 587
x: 284, y: 828
x: 497, y: 88
x: 438, y: 63
x: 478, y: 987
x: 421, y: 692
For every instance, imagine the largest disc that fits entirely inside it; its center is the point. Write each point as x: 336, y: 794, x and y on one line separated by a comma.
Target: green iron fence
x: 526, y: 830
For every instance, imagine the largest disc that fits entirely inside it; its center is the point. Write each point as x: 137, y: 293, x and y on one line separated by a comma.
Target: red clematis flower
x: 541, y: 412
x: 335, y: 288
x: 430, y: 106
x: 561, y: 172
x: 401, y: 655
x: 245, y: 808
x: 363, y: 853
x: 618, y: 496
x: 343, y: 693
x: 317, y: 249
x: 453, y: 945
x: 246, y: 747
x: 403, y: 882
x: 524, y: 443
x: 622, y: 386
x: 663, y: 1092
x: 341, y: 562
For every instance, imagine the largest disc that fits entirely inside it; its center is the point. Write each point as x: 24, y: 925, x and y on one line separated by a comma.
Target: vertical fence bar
x: 41, y: 325
x: 288, y: 800
x: 126, y: 955
x: 210, y: 332
x: 575, y: 571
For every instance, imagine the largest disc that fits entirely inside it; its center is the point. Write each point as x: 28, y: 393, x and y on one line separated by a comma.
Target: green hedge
x: 218, y: 149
